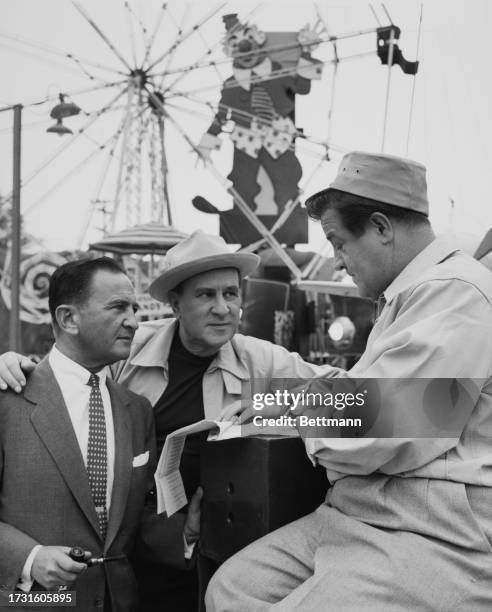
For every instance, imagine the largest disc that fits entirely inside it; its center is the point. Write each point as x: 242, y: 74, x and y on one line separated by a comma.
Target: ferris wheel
x: 162, y: 82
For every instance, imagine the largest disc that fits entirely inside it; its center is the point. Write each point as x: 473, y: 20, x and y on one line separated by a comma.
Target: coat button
x: 99, y: 602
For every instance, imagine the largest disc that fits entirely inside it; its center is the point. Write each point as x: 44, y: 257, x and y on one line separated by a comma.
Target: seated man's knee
x: 216, y: 588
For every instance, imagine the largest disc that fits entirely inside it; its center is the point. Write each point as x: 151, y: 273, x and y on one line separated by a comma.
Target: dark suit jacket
x: 44, y: 490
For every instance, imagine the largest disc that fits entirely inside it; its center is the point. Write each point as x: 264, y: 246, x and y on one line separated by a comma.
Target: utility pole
x: 14, y: 329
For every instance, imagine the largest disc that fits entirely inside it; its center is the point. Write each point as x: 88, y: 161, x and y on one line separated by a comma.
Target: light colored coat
x: 244, y: 358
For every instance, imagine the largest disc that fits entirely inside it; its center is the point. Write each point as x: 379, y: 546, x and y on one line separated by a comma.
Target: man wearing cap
x: 192, y: 367
x: 407, y: 523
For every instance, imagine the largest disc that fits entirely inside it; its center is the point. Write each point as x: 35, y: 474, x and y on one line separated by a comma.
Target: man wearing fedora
x: 407, y: 523
x: 194, y: 366
x: 190, y: 367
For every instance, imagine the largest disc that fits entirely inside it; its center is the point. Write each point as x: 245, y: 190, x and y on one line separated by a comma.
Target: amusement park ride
x: 294, y: 300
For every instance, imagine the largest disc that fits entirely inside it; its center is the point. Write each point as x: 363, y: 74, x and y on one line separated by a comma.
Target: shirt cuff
x: 188, y: 548
x: 26, y: 581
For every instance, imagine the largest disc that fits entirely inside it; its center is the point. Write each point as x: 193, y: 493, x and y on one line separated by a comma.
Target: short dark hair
x: 355, y: 210
x: 69, y: 284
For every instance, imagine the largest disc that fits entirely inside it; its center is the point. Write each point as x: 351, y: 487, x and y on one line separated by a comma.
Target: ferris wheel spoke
x: 53, y: 51
x: 180, y: 39
x: 254, y: 80
x: 227, y: 60
x: 124, y: 151
x: 150, y: 43
x: 131, y: 33
x: 143, y: 28
x: 280, y: 47
x: 77, y: 168
x: 189, y: 111
x: 75, y: 92
x: 179, y: 27
x: 45, y: 60
x: 100, y: 183
x: 71, y: 140
x: 87, y: 17
x: 209, y: 51
x: 308, y: 180
x: 260, y: 79
x: 140, y: 22
x: 84, y: 70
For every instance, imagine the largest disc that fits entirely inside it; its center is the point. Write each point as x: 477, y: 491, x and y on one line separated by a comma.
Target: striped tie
x: 97, y: 461
x: 262, y: 105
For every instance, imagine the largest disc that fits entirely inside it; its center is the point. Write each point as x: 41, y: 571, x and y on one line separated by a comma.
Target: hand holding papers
x: 169, y: 484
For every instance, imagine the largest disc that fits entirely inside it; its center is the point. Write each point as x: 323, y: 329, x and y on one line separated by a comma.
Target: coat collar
x: 122, y: 460
x: 155, y: 353
x: 52, y: 423
x: 436, y: 252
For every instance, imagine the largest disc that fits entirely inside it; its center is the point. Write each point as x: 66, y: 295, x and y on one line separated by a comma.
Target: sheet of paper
x: 171, y: 494
x: 169, y: 484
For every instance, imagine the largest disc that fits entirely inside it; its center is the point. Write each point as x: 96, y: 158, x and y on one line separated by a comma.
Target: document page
x: 169, y: 484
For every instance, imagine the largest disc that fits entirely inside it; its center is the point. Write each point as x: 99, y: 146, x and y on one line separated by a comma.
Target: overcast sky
x: 451, y: 131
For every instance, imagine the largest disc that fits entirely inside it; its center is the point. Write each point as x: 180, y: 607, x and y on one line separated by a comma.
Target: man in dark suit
x: 77, y: 451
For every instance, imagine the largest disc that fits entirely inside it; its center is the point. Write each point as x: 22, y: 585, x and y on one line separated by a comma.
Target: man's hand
x: 12, y: 368
x: 52, y: 567
x: 243, y: 411
x: 191, y: 528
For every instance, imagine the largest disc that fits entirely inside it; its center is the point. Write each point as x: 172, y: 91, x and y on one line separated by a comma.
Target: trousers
x: 377, y: 543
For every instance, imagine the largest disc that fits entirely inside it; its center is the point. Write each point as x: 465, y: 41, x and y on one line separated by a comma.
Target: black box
x: 253, y: 486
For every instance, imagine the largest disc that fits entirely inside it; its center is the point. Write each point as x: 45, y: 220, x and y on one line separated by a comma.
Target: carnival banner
x: 35, y: 273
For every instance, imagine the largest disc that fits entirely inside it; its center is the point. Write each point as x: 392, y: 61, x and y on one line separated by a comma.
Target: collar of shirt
x: 71, y: 371
x: 155, y: 351
x: 244, y: 75
x: 437, y: 251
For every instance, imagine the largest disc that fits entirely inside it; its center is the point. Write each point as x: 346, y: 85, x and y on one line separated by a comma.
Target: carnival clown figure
x: 269, y: 69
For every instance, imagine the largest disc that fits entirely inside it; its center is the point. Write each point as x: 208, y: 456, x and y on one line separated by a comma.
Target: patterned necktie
x: 262, y: 105
x: 97, y: 461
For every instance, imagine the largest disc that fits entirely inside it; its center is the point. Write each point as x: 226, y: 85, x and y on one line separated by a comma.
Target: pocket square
x: 140, y: 460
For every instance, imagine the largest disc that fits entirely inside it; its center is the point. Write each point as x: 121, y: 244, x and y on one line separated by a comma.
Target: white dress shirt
x: 72, y: 379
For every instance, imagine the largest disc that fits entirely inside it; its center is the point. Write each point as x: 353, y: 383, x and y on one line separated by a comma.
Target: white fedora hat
x: 198, y: 253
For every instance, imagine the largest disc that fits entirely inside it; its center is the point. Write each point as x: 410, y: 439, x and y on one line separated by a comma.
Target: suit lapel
x: 53, y: 425
x: 123, y: 461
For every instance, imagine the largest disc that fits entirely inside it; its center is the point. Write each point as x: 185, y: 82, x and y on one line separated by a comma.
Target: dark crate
x: 253, y: 486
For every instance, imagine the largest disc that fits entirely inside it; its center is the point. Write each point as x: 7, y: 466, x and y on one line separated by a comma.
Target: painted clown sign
x: 269, y: 70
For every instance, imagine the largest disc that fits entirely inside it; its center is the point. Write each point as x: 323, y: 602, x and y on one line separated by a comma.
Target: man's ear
x: 382, y: 225
x: 67, y: 318
x: 174, y: 303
